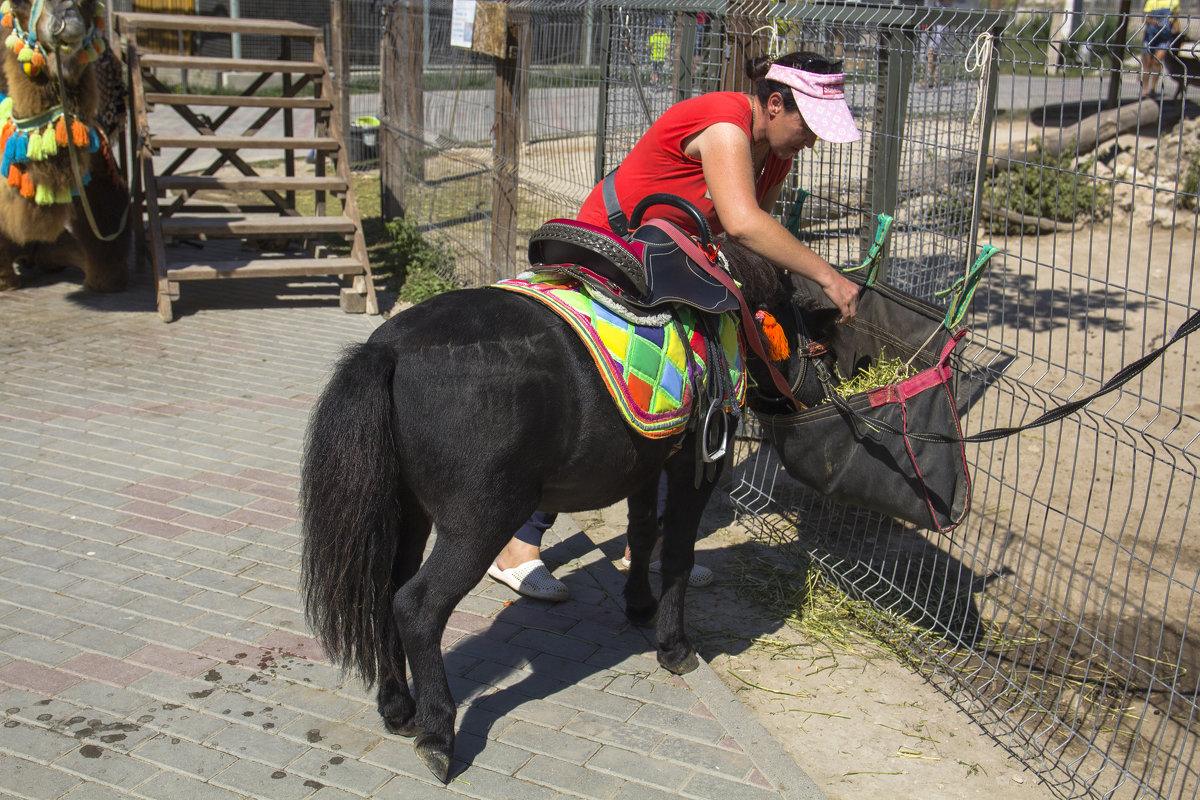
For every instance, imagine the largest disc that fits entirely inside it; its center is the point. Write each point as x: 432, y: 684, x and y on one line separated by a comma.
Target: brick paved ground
x: 152, y: 642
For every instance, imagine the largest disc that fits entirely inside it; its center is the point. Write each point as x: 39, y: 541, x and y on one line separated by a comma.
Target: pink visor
x: 822, y: 101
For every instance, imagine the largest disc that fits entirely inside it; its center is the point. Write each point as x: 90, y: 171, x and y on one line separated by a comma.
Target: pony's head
x: 52, y: 35
x: 791, y: 325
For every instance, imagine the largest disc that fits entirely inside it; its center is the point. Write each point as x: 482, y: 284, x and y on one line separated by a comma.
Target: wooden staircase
x: 227, y: 219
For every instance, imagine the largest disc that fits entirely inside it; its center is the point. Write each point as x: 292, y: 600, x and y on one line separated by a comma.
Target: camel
x: 57, y: 80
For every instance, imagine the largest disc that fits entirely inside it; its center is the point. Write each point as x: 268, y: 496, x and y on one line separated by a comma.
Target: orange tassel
x: 27, y: 186
x: 38, y: 61
x: 14, y: 176
x: 80, y: 133
x: 7, y: 130
x: 60, y: 132
x: 6, y: 21
x: 773, y: 336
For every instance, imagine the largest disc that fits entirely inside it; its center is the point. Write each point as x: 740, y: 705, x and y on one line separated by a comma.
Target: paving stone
x: 178, y: 755
x: 263, y: 781
x: 174, y: 785
x: 548, y: 741
x: 37, y: 650
x: 691, y: 726
x: 569, y: 777
x: 639, y: 767
x: 34, y: 742
x: 328, y: 767
x: 30, y: 779
x: 703, y: 757
x: 610, y: 731
x: 105, y: 765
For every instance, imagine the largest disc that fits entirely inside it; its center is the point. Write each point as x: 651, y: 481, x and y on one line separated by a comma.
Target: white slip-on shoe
x: 531, y: 579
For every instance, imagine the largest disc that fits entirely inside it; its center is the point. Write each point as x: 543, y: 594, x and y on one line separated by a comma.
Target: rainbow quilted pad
x: 644, y: 367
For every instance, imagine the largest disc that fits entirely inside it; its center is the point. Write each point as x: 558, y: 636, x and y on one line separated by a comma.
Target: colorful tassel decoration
x: 33, y: 147
x: 773, y: 336
x: 14, y: 176
x: 49, y: 142
x: 26, y: 186
x: 43, y: 195
x: 93, y: 140
x: 63, y: 195
x: 79, y: 132
x: 20, y: 148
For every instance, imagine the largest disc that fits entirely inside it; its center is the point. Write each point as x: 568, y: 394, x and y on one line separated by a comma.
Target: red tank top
x: 657, y: 162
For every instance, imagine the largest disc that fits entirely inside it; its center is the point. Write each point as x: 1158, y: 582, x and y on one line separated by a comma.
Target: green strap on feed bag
x: 871, y: 263
x: 793, y: 222
x: 964, y: 288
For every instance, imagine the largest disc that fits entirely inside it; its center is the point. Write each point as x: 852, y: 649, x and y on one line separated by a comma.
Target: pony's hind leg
x: 642, y: 532
x: 422, y: 608
x: 394, y: 701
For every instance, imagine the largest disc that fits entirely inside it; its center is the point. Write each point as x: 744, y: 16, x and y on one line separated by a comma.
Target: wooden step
x: 251, y: 267
x: 201, y: 141
x: 158, y: 61
x: 249, y: 183
x: 261, y: 225
x: 224, y: 100
x: 130, y: 22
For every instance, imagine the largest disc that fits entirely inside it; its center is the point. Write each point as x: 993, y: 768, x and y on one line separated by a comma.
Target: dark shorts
x: 1157, y: 38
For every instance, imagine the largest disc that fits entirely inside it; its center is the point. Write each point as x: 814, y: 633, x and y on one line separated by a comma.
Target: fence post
x: 402, y: 77
x: 739, y: 45
x: 891, y: 109
x: 341, y: 62
x: 505, y: 160
x: 605, y: 59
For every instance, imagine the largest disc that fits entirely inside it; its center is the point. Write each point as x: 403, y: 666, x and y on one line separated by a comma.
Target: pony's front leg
x: 642, y: 532
x: 681, y: 519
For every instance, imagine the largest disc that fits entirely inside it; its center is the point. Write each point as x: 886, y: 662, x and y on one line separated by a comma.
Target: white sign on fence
x: 462, y: 23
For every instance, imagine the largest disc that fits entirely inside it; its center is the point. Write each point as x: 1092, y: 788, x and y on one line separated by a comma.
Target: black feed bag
x: 859, y: 450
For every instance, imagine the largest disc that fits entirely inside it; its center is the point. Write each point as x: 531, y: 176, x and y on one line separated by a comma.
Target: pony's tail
x: 350, y: 509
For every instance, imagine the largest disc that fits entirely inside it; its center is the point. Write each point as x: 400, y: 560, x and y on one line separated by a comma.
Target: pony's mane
x: 761, y: 281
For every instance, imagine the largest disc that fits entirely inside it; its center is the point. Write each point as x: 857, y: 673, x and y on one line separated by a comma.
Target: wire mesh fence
x: 1059, y: 614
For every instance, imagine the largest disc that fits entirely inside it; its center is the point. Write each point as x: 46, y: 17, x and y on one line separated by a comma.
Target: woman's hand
x: 844, y: 294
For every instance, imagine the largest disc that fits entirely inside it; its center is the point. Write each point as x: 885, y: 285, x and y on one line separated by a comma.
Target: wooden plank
x: 199, y: 141
x: 236, y: 225
x: 129, y: 23
x: 157, y: 61
x: 249, y: 183
x: 265, y: 268
x: 225, y: 100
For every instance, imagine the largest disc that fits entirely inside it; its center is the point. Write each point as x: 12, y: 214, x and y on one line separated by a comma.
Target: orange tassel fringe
x: 80, y: 133
x: 14, y: 176
x: 773, y: 336
x: 27, y: 186
x: 60, y: 132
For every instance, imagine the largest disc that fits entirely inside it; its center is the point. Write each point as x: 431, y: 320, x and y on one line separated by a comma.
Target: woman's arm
x: 724, y: 154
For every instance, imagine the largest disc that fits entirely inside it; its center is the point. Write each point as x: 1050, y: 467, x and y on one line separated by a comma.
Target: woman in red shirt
x: 728, y: 154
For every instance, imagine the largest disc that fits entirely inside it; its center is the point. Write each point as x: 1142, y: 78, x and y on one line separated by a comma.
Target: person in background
x: 728, y: 154
x: 659, y: 43
x: 1157, y: 35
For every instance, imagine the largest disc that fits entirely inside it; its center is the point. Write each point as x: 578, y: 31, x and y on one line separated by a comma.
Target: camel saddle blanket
x: 643, y: 366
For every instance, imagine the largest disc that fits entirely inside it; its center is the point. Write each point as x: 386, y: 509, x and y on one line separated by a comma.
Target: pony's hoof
x: 680, y: 666
x: 434, y: 757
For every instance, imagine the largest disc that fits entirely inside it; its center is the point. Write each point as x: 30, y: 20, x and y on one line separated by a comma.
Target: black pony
x: 470, y: 411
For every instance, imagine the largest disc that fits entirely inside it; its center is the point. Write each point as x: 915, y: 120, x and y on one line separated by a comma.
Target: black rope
x: 1123, y: 376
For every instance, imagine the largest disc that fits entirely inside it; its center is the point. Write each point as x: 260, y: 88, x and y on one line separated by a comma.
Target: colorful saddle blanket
x: 643, y: 366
